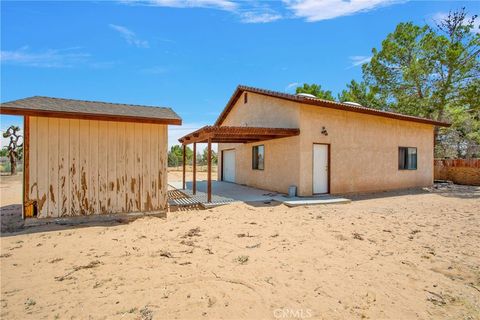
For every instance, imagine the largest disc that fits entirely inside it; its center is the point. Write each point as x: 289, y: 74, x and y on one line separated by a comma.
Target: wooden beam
x: 184, y: 164
x: 26, y: 162
x: 194, y: 163
x: 242, y: 134
x: 209, y: 161
x: 201, y: 137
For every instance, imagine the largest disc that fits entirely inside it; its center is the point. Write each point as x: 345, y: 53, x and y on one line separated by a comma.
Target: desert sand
x: 396, y: 255
x: 10, y: 189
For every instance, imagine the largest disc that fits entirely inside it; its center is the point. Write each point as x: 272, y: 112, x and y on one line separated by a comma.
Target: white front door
x: 320, y: 168
x: 228, y: 164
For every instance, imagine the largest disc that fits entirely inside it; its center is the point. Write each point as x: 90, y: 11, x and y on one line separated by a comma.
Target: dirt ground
x: 397, y: 255
x: 11, y: 201
x: 176, y: 175
x: 11, y: 189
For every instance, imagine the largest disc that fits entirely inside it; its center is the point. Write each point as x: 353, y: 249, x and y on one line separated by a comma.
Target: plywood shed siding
x: 83, y: 167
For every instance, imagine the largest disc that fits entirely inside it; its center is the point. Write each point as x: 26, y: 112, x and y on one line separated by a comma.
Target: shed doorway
x: 321, y: 168
x: 228, y: 165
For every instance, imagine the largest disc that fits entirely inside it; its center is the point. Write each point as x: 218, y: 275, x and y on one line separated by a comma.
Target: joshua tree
x: 13, y: 149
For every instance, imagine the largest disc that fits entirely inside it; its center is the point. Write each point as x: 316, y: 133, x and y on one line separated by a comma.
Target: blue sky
x: 191, y: 54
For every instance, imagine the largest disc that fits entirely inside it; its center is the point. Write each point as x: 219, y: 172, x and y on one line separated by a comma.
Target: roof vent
x: 353, y: 103
x: 306, y: 95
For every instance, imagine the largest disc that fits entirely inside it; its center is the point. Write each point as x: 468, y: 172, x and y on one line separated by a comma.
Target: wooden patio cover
x: 225, y: 134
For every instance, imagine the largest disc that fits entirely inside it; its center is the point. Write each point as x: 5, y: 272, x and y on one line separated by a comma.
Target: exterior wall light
x: 324, y: 131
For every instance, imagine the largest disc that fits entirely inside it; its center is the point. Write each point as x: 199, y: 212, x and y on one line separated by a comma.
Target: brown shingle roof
x: 69, y: 108
x: 321, y: 103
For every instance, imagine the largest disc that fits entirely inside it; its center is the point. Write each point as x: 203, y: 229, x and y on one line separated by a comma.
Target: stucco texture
x: 363, y: 148
x: 281, y: 155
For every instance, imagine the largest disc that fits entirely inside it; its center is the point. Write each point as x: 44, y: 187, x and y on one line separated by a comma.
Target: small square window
x: 407, y: 158
x: 258, y: 157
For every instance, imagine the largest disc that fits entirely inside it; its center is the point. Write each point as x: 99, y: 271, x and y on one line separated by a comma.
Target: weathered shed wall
x: 82, y: 167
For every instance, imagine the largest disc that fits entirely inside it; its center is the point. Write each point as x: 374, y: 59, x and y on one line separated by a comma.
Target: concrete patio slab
x: 315, y: 201
x: 227, y: 192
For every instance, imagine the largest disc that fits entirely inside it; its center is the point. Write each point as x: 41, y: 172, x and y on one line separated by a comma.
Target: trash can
x: 292, y: 191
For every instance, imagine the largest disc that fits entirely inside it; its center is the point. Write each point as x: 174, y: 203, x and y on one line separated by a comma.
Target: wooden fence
x: 460, y: 171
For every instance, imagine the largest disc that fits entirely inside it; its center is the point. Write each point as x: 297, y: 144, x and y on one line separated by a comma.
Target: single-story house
x: 273, y: 140
x: 88, y: 157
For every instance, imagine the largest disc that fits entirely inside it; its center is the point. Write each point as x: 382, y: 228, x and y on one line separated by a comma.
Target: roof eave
x: 227, y: 134
x: 333, y: 105
x: 87, y: 116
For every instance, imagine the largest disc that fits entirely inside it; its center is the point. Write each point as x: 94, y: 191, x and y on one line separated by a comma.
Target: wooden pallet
x: 189, y: 199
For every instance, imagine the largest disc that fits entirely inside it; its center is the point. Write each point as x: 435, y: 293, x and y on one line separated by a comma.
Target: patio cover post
x: 194, y: 184
x: 184, y: 160
x: 209, y: 156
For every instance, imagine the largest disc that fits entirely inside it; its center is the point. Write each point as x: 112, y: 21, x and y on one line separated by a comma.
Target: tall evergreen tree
x: 316, y: 90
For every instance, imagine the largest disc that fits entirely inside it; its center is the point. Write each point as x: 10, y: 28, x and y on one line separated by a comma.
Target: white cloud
x: 439, y: 16
x: 247, y: 11
x: 317, y: 10
x: 257, y: 11
x: 359, y: 60
x: 49, y: 58
x: 129, y: 36
x: 175, y: 133
x: 291, y: 85
x: 259, y: 17
x: 154, y: 70
x: 215, y: 4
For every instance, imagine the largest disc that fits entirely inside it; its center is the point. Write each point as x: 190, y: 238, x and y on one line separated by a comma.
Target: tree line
x: 175, y: 156
x: 426, y: 71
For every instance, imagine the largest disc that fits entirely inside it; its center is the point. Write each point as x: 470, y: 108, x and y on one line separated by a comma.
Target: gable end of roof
x: 321, y: 103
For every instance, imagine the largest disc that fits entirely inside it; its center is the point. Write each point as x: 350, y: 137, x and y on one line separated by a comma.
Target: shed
x: 90, y: 157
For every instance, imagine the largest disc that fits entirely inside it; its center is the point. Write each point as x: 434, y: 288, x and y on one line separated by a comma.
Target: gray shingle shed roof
x: 94, y: 110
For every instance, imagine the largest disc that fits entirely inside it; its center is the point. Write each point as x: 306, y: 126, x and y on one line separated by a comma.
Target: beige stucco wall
x: 281, y: 155
x: 82, y: 167
x: 281, y: 164
x: 364, y: 148
x: 263, y: 111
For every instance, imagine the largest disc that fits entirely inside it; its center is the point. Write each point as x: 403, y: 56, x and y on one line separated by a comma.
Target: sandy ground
x: 11, y: 189
x: 11, y: 201
x: 176, y: 175
x: 403, y: 255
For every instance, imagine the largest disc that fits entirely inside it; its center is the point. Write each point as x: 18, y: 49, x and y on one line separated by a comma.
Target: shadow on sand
x: 13, y: 224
